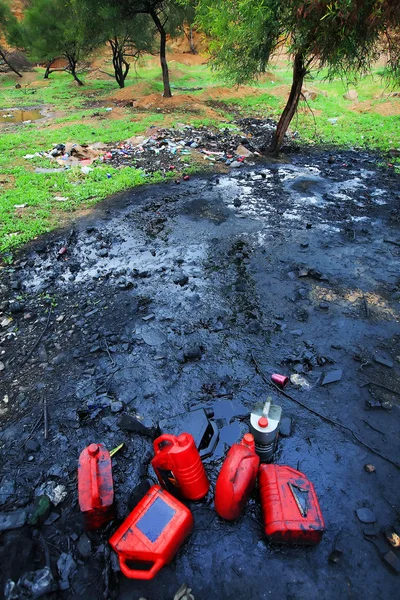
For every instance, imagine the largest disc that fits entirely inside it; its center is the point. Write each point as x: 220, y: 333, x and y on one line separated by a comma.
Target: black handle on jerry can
x: 166, y: 438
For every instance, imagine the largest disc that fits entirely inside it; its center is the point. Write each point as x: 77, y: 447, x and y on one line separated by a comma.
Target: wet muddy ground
x: 157, y: 303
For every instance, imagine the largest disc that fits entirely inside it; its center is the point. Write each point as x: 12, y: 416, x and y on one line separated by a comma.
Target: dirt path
x: 297, y: 263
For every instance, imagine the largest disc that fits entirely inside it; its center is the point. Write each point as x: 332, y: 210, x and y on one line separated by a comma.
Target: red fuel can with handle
x: 290, y: 506
x: 152, y: 534
x: 95, y: 486
x: 236, y: 479
x: 178, y: 466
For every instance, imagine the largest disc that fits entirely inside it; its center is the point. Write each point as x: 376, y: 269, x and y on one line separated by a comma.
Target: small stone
x: 237, y: 202
x: 382, y: 360
x: 369, y: 468
x: 181, y: 279
x: 285, y: 427
x: 116, y: 406
x: 254, y: 326
x: 12, y: 520
x: 66, y: 567
x: 335, y: 556
x: 103, y: 252
x: 304, y: 245
x: 148, y: 317
x: 303, y: 272
x: 296, y: 332
x: 236, y: 164
x: 324, y: 305
x: 332, y: 376
x: 16, y: 307
x: 2, y: 366
x: 331, y: 160
x: 34, y: 584
x: 371, y: 531
x: 84, y: 546
x: 366, y: 515
x: 59, y: 359
x: 32, y: 446
x: 131, y: 423
x: 192, y: 353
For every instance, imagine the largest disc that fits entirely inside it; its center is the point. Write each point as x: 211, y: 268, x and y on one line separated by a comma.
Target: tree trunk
x: 191, y: 41
x: 121, y: 66
x: 299, y: 72
x: 72, y: 66
x: 163, y: 60
x: 9, y: 65
x: 47, y: 72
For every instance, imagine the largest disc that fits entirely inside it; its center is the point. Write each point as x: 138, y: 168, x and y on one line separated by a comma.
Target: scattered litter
x: 95, y: 486
x: 392, y: 560
x: 265, y: 420
x: 393, y: 538
x: 280, y: 380
x: 184, y: 593
x: 56, y: 492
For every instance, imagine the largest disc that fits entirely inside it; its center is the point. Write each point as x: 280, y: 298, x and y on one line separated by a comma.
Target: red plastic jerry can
x: 152, y: 534
x: 236, y: 479
x: 178, y: 466
x: 290, y: 506
x: 95, y: 486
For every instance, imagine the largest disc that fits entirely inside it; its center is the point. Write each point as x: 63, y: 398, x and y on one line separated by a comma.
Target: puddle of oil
x: 19, y: 116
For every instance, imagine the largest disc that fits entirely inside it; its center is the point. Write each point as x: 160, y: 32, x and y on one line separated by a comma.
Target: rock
x: 59, y: 359
x: 148, y: 317
x: 331, y: 159
x: 138, y: 493
x: 16, y: 307
x: 40, y: 510
x: 192, y: 353
x: 369, y: 468
x: 103, y: 252
x: 243, y: 151
x: 392, y: 560
x: 66, y: 567
x: 296, y: 332
x: 131, y: 423
x: 383, y: 360
x: 285, y: 428
x: 116, y: 406
x: 366, y: 515
x: 254, y: 326
x: 309, y: 94
x: 332, y: 376
x: 84, y: 546
x: 351, y: 95
x: 181, y: 279
x: 237, y: 202
x: 12, y: 520
x: 335, y: 556
x: 31, y: 585
x: 236, y: 164
x: 154, y: 337
x: 324, y: 305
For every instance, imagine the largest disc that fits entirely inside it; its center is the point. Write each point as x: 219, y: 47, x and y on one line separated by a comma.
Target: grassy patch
x: 30, y: 202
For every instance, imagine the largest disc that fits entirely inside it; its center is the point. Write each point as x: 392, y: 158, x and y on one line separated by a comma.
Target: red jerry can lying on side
x: 152, y: 534
x: 178, y: 466
x: 95, y: 486
x: 236, y: 479
x: 290, y: 506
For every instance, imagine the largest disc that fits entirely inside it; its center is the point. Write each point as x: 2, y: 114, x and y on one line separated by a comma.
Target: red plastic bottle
x: 152, y: 534
x: 95, y: 486
x: 290, y: 506
x: 236, y: 479
x: 178, y: 466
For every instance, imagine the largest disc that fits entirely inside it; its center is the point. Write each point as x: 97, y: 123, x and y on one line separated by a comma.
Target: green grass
x: 82, y: 123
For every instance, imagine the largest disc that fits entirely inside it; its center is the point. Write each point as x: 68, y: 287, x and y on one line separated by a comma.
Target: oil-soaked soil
x: 296, y: 264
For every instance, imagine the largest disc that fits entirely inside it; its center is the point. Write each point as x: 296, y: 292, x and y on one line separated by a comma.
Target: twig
x: 392, y: 242
x: 109, y: 355
x: 321, y: 416
x: 45, y: 418
x: 37, y: 341
x: 374, y: 428
x: 384, y: 387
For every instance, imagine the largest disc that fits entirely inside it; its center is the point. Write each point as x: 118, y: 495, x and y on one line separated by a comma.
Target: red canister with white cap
x: 265, y: 420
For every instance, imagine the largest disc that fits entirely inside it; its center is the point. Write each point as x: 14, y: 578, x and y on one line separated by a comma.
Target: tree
x: 60, y: 28
x: 8, y: 31
x: 345, y: 36
x: 128, y: 36
x: 161, y: 12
